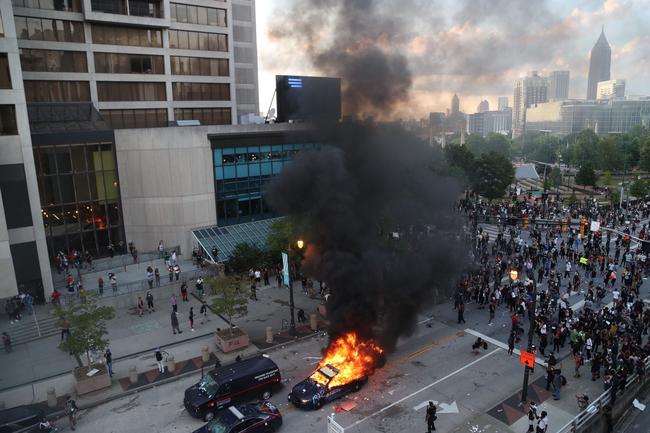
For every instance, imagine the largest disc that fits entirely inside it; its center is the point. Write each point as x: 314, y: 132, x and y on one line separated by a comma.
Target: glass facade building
x: 242, y: 170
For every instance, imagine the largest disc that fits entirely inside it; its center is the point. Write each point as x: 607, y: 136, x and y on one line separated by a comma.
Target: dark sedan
x: 313, y: 394
x: 261, y: 417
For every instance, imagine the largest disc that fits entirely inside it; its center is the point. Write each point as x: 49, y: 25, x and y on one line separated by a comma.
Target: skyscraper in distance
x: 503, y: 102
x: 455, y: 104
x: 483, y: 106
x: 558, y: 85
x: 600, y: 62
x: 528, y: 91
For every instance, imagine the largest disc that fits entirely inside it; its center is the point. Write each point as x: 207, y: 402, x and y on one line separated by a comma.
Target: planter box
x: 228, y: 341
x: 85, y: 384
x: 322, y: 310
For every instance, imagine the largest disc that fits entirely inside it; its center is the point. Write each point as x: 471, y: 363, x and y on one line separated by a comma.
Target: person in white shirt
x: 542, y: 422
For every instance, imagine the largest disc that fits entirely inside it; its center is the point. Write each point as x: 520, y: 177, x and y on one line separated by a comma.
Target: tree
x: 556, y: 177
x: 231, y: 299
x: 460, y: 157
x: 492, y: 174
x: 498, y: 143
x: 586, y: 175
x: 87, y: 326
x: 645, y: 154
x: 614, y: 195
x: 610, y: 154
x: 277, y: 242
x: 606, y: 179
x: 245, y: 256
x: 639, y: 188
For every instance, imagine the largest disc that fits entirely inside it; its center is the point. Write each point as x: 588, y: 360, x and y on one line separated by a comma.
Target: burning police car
x: 322, y: 387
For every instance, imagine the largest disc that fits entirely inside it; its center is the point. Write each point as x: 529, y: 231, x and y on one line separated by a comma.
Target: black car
x: 260, y: 417
x: 311, y: 394
x: 245, y: 380
x: 21, y: 419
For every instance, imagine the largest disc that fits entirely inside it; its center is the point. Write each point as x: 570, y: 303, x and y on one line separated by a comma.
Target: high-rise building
x: 488, y: 122
x: 483, y: 106
x: 528, y: 91
x: 142, y: 63
x: 455, y: 104
x: 558, y: 85
x: 599, y: 65
x: 611, y: 89
x: 503, y: 103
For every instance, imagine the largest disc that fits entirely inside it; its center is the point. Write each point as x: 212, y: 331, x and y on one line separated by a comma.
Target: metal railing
x: 595, y: 408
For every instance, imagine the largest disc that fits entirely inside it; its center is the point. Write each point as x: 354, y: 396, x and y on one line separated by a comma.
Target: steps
x: 25, y: 330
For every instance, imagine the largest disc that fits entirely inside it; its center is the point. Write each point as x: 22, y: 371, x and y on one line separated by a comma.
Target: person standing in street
x: 184, y: 292
x: 109, y: 361
x: 174, y: 303
x: 6, y: 341
x: 175, y: 327
x: 65, y: 328
x: 192, y: 318
x: 542, y: 423
x: 150, y: 302
x: 532, y: 416
x: 71, y: 411
x: 159, y: 360
x: 113, y: 280
x: 161, y: 249
x: 204, y: 312
x: 100, y: 286
x: 156, y: 274
x: 431, y: 417
x: 511, y: 342
x: 461, y: 312
x: 140, y: 306
x: 177, y: 271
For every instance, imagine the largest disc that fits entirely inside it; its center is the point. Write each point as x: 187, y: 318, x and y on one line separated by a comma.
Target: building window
x: 185, y: 40
x: 114, y: 63
x: 201, y: 91
x: 57, y: 5
x: 56, y: 91
x: 8, y: 120
x: 145, y: 8
x: 149, y: 118
x: 199, y: 66
x: 5, y: 78
x: 198, y: 15
x: 15, y: 197
x: 80, y: 197
x: 130, y: 91
x: 112, y: 35
x: 207, y: 116
x: 2, y: 28
x: 109, y: 6
x: 53, y: 61
x: 44, y: 29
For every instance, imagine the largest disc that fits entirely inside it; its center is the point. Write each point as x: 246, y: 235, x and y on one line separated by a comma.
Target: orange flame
x: 352, y: 358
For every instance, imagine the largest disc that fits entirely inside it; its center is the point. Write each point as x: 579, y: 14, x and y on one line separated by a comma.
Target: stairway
x: 25, y: 330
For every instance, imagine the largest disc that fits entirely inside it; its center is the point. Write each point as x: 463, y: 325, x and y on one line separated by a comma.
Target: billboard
x: 305, y: 99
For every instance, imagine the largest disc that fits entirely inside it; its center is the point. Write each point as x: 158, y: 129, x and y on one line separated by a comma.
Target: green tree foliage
x: 555, y: 177
x: 639, y: 188
x: 497, y: 143
x: 609, y: 154
x: 491, y: 175
x: 246, y: 256
x: 282, y: 232
x: 231, y: 297
x: 459, y: 158
x: 87, y: 326
x: 606, y: 179
x: 586, y: 176
x: 645, y: 154
x: 614, y: 195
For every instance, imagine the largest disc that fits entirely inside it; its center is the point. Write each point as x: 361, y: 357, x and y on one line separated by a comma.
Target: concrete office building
x: 528, y: 91
x: 24, y: 262
x: 611, y: 89
x: 503, y: 103
x: 142, y: 63
x: 483, y: 106
x: 558, y: 85
x: 600, y: 61
x: 603, y: 117
x: 488, y: 122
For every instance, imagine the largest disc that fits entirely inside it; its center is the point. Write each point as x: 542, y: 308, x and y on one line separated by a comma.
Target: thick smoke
x: 347, y: 200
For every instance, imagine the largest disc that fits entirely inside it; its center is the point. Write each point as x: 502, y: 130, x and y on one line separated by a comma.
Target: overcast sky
x: 477, y: 48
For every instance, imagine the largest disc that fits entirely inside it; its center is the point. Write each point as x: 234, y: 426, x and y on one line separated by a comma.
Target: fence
x: 584, y: 420
x: 333, y: 426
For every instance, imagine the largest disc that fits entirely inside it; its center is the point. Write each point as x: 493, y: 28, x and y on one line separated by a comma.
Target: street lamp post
x: 531, y: 333
x: 292, y: 324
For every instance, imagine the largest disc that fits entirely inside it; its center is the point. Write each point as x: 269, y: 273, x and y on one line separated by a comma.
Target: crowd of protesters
x: 541, y: 256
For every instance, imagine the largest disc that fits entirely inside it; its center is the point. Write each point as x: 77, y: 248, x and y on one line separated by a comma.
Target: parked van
x: 245, y: 380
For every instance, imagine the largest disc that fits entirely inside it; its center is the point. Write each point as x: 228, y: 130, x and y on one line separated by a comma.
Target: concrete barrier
x: 171, y: 363
x: 51, y: 397
x: 205, y: 354
x: 313, y: 322
x: 133, y: 374
x: 269, y: 335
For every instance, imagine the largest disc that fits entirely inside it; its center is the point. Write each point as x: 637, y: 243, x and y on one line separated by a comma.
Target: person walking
x: 113, y: 280
x: 159, y: 360
x: 161, y: 249
x: 109, y: 361
x: 461, y: 312
x: 170, y: 270
x: 6, y: 341
x: 65, y: 328
x: 175, y: 327
x: 71, y: 411
x: 150, y: 277
x: 492, y: 309
x: 542, y: 422
x: 184, y: 292
x: 431, y: 417
x: 149, y: 298
x: 557, y: 384
x: 156, y: 275
x: 511, y: 342
x: 177, y: 271
x: 192, y: 318
x: 140, y: 306
x: 204, y: 312
x: 532, y: 417
x: 100, y: 286
x: 174, y: 303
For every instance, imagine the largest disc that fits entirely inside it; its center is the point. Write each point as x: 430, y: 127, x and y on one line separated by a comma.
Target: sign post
x: 285, y: 268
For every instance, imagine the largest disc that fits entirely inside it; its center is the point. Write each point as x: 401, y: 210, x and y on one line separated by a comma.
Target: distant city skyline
x: 478, y: 49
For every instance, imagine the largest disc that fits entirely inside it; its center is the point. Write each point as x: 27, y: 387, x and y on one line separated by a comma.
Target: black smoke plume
x: 379, y: 226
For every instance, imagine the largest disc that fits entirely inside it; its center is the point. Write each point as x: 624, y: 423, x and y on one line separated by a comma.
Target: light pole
x: 292, y: 325
x: 531, y: 333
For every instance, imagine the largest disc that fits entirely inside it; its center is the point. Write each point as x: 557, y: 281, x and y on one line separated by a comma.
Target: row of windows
x: 199, y: 66
x: 198, y: 15
x: 245, y: 171
x: 53, y: 61
x: 243, y: 208
x: 198, y: 40
x: 8, y: 120
x: 5, y: 77
x: 149, y: 118
x: 45, y: 29
x: 135, y: 37
x: 248, y: 154
x: 56, y: 5
x: 201, y: 91
x: 74, y: 159
x: 126, y: 91
x: 81, y: 216
x: 114, y: 63
x: 56, y: 91
x: 207, y: 116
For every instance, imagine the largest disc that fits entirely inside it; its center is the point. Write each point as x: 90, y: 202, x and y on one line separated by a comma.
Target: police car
x: 261, y: 417
x: 311, y: 394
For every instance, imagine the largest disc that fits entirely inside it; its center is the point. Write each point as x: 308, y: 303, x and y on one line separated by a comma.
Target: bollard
x: 205, y: 354
x: 313, y: 322
x: 269, y: 335
x: 171, y: 365
x: 51, y: 397
x: 133, y: 374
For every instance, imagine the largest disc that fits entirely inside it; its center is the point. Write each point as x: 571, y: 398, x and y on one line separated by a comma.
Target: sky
x: 475, y: 48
